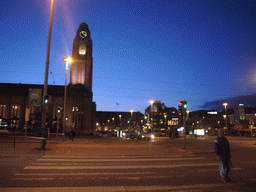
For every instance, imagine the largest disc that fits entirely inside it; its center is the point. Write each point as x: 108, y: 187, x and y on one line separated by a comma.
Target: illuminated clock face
x: 83, y: 34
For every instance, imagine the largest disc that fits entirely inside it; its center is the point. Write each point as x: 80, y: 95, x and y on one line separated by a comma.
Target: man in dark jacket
x: 223, y: 153
x: 72, y: 134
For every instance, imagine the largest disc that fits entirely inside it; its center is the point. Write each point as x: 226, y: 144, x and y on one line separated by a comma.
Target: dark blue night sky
x: 167, y: 50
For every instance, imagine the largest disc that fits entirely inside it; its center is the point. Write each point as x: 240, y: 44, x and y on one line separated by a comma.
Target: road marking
x: 99, y: 160
x: 114, y: 156
x: 65, y: 174
x: 249, y: 162
x: 92, y: 178
x: 104, y: 146
x: 30, y: 179
x: 233, y: 169
x: 116, y: 188
x: 121, y: 167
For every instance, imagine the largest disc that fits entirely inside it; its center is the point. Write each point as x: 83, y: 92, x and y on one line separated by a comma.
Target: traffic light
x: 180, y: 106
x: 58, y: 110
x: 183, y: 105
x: 145, y: 117
x: 46, y: 99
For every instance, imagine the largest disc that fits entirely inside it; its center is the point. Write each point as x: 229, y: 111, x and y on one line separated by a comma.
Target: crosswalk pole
x: 184, y: 125
x: 13, y: 144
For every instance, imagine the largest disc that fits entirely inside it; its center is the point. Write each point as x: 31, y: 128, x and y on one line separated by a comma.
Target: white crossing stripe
x: 108, y: 160
x: 114, y: 156
x: 104, y: 178
x: 116, y: 188
x: 32, y: 179
x: 89, y: 174
x: 233, y: 169
x: 121, y: 167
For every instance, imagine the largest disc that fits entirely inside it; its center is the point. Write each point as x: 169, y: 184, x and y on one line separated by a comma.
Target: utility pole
x: 183, y: 110
x: 184, y: 124
x: 45, y: 91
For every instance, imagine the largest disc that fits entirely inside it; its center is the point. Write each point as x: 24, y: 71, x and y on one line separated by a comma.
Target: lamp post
x: 226, y: 122
x: 67, y: 60
x: 120, y: 126
x: 187, y: 115
x: 165, y: 122
x: 131, y: 118
x: 151, y: 113
x: 120, y: 119
x: 113, y: 119
x: 45, y: 93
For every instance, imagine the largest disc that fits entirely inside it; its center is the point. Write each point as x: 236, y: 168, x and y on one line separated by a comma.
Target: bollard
x: 43, y: 150
x: 13, y: 144
x: 42, y: 145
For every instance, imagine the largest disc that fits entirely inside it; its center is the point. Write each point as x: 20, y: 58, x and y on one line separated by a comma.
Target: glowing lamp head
x: 67, y: 60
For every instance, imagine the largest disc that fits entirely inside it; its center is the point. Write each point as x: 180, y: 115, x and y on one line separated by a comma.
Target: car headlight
x: 152, y: 136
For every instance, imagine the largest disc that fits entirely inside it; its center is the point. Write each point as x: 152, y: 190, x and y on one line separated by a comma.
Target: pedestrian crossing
x: 184, y: 188
x: 117, y: 173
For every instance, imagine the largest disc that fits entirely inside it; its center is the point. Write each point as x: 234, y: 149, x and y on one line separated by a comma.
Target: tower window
x: 82, y: 50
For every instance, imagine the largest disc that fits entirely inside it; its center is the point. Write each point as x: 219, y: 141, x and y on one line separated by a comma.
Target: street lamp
x: 113, y: 119
x: 120, y: 118
x: 151, y: 113
x: 151, y: 103
x: 225, y: 104
x: 45, y: 93
x: 226, y: 122
x: 131, y: 114
x: 187, y: 115
x: 67, y: 60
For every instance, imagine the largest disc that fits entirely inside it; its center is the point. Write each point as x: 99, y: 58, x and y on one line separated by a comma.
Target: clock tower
x: 81, y: 68
x: 81, y: 110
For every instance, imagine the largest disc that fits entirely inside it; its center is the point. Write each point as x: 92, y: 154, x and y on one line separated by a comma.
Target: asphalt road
x: 111, y: 164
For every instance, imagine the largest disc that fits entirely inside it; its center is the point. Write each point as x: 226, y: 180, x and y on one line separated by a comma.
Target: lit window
x: 82, y: 50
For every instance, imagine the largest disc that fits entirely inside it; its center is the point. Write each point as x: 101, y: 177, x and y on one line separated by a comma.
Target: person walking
x: 72, y: 134
x: 222, y: 150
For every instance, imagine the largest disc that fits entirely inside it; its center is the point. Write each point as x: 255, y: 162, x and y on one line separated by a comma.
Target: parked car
x: 105, y: 134
x: 142, y: 136
x: 133, y: 136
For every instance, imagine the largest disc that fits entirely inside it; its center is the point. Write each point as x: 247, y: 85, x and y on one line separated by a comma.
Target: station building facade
x: 21, y: 104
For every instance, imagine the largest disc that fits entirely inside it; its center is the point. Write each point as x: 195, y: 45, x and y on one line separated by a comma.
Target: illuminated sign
x: 212, y: 112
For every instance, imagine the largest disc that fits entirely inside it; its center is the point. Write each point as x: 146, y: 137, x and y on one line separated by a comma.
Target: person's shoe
x: 224, y: 180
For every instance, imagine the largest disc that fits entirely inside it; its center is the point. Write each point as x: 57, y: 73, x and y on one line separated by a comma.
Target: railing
x: 42, y: 143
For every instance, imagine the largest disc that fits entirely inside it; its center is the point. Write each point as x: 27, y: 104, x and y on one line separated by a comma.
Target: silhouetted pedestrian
x: 72, y: 134
x: 222, y: 150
